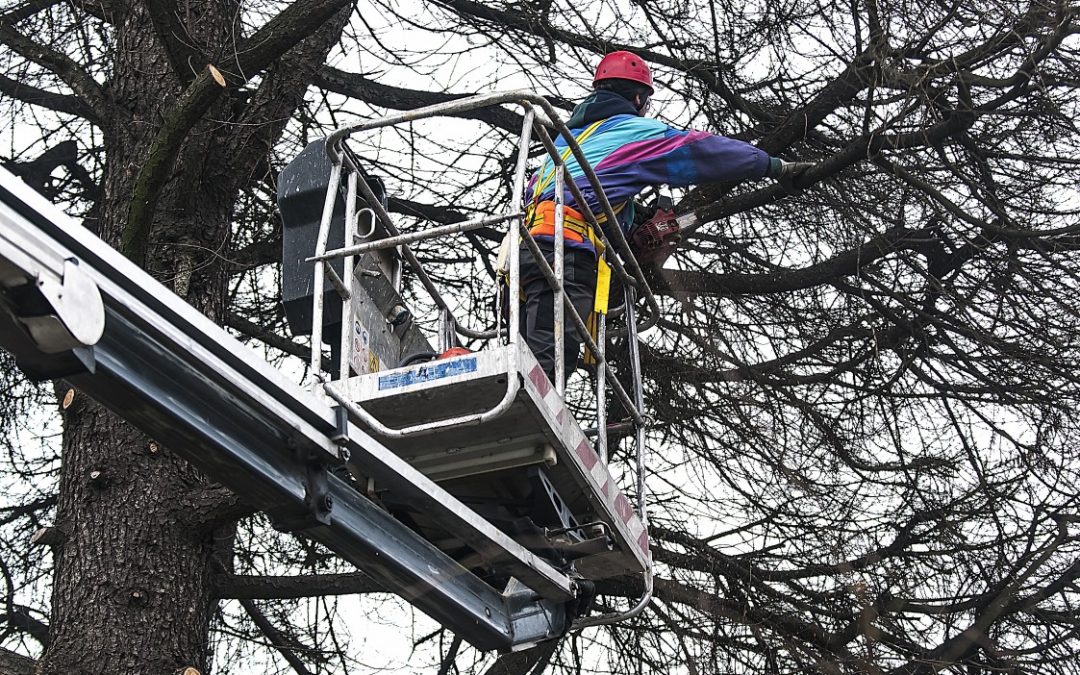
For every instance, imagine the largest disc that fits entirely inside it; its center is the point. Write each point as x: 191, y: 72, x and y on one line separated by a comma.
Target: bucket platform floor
x: 487, y: 466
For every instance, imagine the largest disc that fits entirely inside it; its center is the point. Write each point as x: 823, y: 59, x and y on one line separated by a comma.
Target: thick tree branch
x: 705, y: 558
x: 27, y: 10
x: 36, y: 173
x: 89, y: 91
x: 15, y: 664
x: 279, y: 94
x: 194, y: 102
x: 801, y: 121
x: 307, y: 586
x: 850, y: 262
x: 186, y: 60
x: 450, y: 656
x: 860, y: 149
x: 70, y: 105
x: 280, y: 34
x: 239, y: 323
x: 285, y: 645
x: 397, y: 98
x: 20, y: 618
x: 258, y: 253
x: 12, y: 513
x: 210, y: 507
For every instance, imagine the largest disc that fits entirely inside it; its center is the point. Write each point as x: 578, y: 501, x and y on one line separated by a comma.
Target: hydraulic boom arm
x: 72, y: 307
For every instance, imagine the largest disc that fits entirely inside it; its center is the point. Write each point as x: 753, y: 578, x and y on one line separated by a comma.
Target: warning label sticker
x: 363, y: 360
x: 427, y: 373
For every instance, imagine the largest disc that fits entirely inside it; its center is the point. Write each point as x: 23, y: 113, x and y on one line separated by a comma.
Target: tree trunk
x: 132, y: 591
x: 132, y: 588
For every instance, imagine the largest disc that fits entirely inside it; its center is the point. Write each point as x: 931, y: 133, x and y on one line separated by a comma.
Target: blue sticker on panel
x: 427, y: 373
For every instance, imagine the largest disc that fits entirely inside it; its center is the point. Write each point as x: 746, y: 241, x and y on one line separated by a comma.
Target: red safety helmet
x: 624, y: 66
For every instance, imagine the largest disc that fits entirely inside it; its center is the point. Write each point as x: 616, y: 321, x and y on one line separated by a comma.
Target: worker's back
x: 630, y: 152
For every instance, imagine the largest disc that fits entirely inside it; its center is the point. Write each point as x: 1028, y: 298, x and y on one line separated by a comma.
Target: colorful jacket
x: 629, y: 153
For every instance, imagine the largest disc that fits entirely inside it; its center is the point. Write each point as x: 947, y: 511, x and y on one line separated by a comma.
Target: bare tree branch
x: 311, y: 585
x: 15, y: 664
x: 286, y: 646
x: 26, y: 10
x: 90, y: 92
x: 63, y: 103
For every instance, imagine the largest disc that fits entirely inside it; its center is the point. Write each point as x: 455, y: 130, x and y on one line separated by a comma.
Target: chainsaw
x: 657, y: 235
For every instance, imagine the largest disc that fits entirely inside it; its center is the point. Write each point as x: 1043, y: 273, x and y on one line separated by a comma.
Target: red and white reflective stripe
x: 604, y: 485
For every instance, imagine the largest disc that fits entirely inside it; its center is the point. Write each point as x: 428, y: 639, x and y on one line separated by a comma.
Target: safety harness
x: 540, y: 217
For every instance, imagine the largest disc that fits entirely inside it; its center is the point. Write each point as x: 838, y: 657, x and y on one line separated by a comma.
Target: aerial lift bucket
x: 489, y: 427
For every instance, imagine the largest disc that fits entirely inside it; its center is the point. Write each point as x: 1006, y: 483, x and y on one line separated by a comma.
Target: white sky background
x: 381, y: 630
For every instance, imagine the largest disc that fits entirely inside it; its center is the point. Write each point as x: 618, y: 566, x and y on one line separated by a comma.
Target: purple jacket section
x: 630, y: 153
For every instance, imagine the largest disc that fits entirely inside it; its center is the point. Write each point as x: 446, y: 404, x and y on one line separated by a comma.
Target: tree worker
x: 628, y: 152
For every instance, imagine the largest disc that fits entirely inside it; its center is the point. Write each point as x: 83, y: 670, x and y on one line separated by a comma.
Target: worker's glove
x: 788, y: 173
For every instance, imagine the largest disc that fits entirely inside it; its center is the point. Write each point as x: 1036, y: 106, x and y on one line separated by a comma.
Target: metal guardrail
x: 623, y: 264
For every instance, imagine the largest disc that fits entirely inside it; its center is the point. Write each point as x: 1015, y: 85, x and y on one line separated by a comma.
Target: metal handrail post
x: 517, y: 195
x: 560, y: 275
x: 601, y: 391
x: 345, y: 345
x: 579, y: 323
x: 639, y: 400
x: 319, y: 271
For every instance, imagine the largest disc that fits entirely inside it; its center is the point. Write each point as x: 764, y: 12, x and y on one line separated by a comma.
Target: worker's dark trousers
x: 538, y: 318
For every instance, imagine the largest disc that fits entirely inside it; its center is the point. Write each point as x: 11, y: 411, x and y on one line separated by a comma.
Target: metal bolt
x: 398, y: 315
x: 328, y: 503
